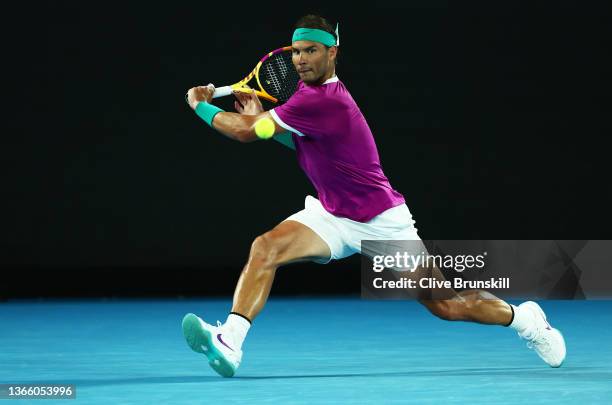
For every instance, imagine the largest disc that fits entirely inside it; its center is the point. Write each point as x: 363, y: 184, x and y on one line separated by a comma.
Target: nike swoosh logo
x: 220, y: 339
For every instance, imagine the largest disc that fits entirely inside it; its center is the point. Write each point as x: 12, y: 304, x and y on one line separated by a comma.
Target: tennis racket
x: 275, y: 76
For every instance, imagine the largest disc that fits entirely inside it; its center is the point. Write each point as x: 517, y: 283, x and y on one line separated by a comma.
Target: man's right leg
x: 288, y: 242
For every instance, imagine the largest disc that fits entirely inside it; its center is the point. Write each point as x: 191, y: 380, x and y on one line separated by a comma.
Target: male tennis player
x: 336, y: 149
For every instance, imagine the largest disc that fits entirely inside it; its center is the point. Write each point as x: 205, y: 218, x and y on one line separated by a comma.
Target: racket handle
x: 222, y: 91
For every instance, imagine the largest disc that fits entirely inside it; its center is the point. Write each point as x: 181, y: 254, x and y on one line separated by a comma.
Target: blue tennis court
x: 301, y: 351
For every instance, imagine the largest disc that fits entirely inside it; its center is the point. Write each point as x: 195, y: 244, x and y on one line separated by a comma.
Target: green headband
x: 315, y: 35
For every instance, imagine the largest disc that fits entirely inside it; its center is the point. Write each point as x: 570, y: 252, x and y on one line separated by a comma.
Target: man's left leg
x: 480, y: 306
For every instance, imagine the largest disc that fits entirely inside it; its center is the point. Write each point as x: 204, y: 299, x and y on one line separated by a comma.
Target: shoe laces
x: 539, y: 341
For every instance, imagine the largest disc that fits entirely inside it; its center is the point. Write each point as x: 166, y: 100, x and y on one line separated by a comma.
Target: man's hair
x: 317, y: 22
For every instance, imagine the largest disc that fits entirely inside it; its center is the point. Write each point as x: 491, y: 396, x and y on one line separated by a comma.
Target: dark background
x: 492, y: 119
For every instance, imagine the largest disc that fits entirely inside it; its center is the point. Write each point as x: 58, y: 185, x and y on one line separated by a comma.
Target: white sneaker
x: 547, y: 341
x: 214, y: 342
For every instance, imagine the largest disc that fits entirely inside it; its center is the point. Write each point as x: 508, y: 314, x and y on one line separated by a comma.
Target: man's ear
x: 333, y: 51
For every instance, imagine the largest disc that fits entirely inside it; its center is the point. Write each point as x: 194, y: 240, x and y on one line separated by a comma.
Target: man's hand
x: 247, y: 103
x: 200, y: 93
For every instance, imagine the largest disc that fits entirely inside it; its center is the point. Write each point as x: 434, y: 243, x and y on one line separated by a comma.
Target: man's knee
x: 448, y: 310
x: 265, y: 249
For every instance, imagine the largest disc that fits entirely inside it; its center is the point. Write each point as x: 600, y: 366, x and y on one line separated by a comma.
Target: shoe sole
x: 554, y: 330
x: 201, y: 341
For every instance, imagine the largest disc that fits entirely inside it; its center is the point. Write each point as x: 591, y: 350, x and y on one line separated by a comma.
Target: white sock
x: 239, y: 328
x: 523, y: 321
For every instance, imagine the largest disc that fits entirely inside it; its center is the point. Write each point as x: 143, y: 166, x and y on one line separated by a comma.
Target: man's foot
x: 547, y: 341
x: 213, y: 342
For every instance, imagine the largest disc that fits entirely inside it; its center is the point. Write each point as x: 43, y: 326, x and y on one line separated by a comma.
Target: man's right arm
x: 239, y: 127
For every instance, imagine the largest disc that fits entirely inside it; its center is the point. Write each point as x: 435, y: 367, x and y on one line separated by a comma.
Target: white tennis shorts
x: 344, y: 236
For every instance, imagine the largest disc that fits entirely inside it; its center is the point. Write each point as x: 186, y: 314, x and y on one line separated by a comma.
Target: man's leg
x: 471, y: 305
x: 479, y: 306
x: 288, y: 242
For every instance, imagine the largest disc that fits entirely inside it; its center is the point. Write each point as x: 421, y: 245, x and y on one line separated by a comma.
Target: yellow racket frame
x: 242, y: 84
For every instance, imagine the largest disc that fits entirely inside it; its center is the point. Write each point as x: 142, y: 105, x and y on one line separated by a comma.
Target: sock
x: 239, y: 326
x: 523, y: 320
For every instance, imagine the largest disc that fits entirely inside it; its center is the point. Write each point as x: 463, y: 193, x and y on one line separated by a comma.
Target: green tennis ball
x: 264, y: 128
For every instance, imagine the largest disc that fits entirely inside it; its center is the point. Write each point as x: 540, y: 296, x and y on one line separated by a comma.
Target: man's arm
x: 239, y: 127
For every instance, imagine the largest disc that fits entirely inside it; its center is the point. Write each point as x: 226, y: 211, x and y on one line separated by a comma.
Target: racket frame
x: 241, y: 85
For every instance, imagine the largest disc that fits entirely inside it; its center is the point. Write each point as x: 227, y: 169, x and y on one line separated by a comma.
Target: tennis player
x: 336, y: 150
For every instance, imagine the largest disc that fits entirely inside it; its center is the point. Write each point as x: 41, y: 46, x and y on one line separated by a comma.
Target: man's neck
x: 324, y: 78
x: 328, y: 76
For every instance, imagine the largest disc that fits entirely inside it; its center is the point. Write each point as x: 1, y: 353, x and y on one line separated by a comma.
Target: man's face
x: 312, y: 60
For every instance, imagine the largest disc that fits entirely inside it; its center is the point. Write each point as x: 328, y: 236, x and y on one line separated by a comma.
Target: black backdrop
x: 491, y: 119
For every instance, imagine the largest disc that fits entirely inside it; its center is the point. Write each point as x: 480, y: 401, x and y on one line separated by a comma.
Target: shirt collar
x: 331, y: 80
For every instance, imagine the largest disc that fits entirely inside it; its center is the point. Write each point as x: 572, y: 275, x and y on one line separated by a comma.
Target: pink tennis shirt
x: 336, y: 150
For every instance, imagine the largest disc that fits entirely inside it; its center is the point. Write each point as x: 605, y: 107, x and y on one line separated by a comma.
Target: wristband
x: 207, y: 111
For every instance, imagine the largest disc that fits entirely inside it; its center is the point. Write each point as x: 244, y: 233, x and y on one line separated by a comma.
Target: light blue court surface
x: 301, y: 351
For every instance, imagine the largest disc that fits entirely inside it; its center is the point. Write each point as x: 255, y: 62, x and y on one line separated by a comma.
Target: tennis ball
x: 264, y: 128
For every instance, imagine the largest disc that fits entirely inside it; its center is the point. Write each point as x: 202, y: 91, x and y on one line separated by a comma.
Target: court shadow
x: 93, y: 382
x: 575, y: 373
x: 587, y: 373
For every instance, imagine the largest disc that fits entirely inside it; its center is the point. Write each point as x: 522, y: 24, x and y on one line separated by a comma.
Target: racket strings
x: 278, y: 76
